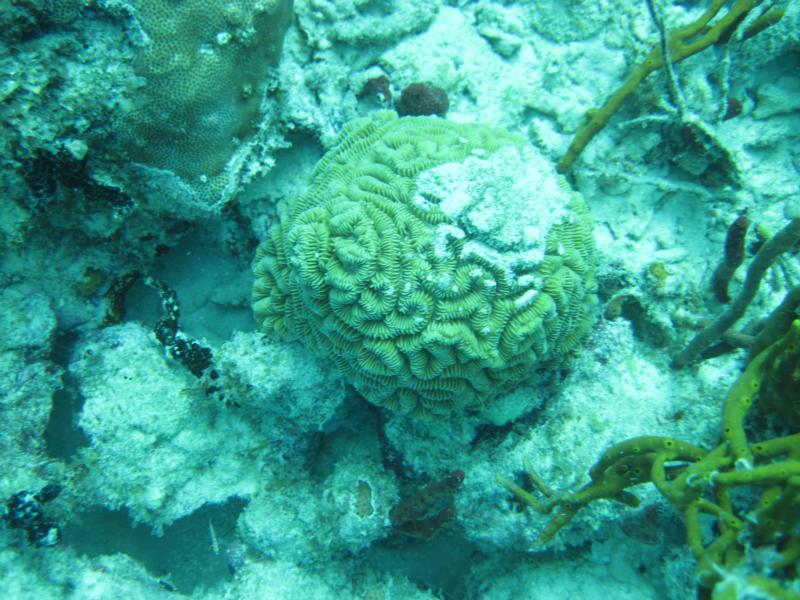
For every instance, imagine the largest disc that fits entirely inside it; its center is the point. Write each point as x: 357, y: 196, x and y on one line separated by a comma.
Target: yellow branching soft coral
x: 680, y: 43
x: 702, y: 483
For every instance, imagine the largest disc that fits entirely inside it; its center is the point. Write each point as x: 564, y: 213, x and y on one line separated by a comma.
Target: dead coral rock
x: 425, y: 512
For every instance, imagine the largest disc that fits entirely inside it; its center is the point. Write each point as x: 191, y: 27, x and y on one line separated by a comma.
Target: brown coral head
x: 418, y: 99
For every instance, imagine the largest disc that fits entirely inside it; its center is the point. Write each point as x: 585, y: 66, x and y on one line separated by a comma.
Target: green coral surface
x: 436, y: 263
x: 203, y: 67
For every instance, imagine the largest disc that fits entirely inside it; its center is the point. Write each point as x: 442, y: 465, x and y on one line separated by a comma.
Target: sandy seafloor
x: 283, y: 489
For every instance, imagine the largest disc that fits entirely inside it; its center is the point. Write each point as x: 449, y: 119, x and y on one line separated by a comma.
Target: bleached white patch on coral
x: 526, y: 299
x: 443, y: 233
x: 422, y: 202
x: 503, y: 206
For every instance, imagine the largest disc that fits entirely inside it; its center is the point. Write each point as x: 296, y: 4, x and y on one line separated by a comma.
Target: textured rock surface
x: 155, y: 448
x: 363, y: 22
x: 437, y: 264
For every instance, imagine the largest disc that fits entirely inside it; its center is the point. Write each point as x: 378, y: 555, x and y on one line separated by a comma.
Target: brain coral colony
x: 435, y: 263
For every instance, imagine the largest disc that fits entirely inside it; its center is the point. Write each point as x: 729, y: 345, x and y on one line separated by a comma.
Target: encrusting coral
x: 204, y: 66
x: 698, y: 481
x: 437, y: 264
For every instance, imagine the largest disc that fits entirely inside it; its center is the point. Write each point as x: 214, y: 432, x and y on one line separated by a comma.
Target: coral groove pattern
x: 422, y: 298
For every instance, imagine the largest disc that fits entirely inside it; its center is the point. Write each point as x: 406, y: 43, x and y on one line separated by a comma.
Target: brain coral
x: 436, y: 263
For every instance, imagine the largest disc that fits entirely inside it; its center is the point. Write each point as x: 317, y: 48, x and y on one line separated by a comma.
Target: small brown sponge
x: 436, y: 263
